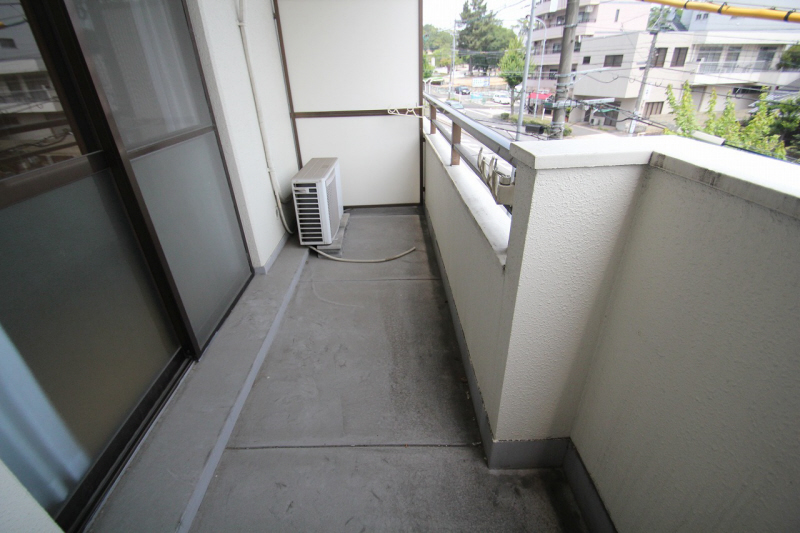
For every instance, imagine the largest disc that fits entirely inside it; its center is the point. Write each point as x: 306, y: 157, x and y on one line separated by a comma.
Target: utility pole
x: 541, y: 67
x: 525, y: 72
x: 452, y: 63
x: 564, y: 70
x: 643, y: 87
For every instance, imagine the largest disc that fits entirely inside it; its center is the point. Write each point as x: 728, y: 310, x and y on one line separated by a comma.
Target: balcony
x: 706, y: 72
x: 631, y: 329
x: 617, y: 354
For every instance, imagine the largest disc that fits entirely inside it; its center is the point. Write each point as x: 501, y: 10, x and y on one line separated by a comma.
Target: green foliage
x: 757, y: 135
x: 444, y: 58
x: 483, y: 33
x: 427, y: 68
x: 787, y: 124
x: 435, y: 39
x: 683, y: 110
x: 790, y: 59
x: 512, y: 66
x: 440, y: 42
x: 530, y: 121
x: 656, y: 17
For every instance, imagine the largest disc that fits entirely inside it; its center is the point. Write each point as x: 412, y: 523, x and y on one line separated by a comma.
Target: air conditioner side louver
x: 317, y: 193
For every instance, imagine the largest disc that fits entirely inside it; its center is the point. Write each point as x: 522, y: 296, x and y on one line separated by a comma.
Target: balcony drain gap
x: 362, y: 280
x: 315, y: 446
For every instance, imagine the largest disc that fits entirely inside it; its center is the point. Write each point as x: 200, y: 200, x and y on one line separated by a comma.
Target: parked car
x: 462, y: 90
x: 501, y: 98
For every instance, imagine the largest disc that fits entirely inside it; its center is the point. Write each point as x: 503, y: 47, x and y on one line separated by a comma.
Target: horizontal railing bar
x: 486, y: 136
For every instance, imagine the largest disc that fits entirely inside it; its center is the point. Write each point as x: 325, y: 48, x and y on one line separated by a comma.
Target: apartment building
x: 702, y: 21
x: 595, y: 18
x: 735, y: 64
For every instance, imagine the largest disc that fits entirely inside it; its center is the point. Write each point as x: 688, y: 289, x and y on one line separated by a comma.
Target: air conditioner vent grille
x: 317, y: 200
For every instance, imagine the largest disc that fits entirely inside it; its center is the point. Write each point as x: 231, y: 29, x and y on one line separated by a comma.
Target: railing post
x: 433, y: 117
x: 455, y: 157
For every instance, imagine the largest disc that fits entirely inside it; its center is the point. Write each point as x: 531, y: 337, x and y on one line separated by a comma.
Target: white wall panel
x: 219, y: 45
x: 379, y: 156
x: 351, y: 54
x: 265, y: 57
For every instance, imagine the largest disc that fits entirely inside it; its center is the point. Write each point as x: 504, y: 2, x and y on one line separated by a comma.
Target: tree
x: 512, y: 66
x: 787, y: 124
x: 660, y: 17
x: 683, y: 110
x: 726, y: 125
x: 522, y: 28
x: 427, y: 68
x: 444, y: 58
x: 756, y: 136
x: 483, y: 37
x: 434, y: 39
x: 790, y: 59
x: 440, y: 42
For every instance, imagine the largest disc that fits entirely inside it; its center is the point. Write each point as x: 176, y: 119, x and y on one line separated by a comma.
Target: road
x: 488, y: 114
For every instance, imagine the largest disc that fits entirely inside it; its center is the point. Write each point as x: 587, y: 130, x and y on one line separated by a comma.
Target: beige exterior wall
x: 689, y: 418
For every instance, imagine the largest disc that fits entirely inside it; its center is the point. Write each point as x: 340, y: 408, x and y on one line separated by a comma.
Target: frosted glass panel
x: 144, y: 58
x: 187, y: 195
x: 83, y: 334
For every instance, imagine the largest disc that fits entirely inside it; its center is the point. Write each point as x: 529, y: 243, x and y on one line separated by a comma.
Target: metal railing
x: 30, y: 96
x: 501, y: 185
x: 719, y: 67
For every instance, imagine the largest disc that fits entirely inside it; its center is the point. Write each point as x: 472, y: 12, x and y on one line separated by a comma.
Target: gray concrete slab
x: 381, y: 489
x: 358, y: 418
x: 153, y: 491
x: 376, y: 236
x: 361, y: 362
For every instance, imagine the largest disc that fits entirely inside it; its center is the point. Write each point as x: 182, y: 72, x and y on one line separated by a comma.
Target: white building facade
x: 595, y: 19
x: 735, y: 64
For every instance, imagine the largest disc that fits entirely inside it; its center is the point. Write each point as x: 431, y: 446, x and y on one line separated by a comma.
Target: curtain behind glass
x: 146, y: 63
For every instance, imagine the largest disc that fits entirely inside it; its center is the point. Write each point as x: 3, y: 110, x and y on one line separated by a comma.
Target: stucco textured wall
x: 689, y: 419
x: 566, y: 239
x: 470, y: 230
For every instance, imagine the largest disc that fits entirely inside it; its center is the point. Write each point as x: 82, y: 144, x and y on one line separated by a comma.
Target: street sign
x: 598, y: 101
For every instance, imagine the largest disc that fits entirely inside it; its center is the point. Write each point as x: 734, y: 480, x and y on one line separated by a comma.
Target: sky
x: 442, y: 13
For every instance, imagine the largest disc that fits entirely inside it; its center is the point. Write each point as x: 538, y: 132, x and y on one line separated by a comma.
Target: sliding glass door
x: 146, y: 65
x: 121, y: 244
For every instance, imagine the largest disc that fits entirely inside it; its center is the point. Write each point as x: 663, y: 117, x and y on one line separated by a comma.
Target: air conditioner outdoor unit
x: 317, y: 192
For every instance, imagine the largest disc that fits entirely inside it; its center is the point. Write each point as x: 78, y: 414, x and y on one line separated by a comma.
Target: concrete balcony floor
x: 332, y: 399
